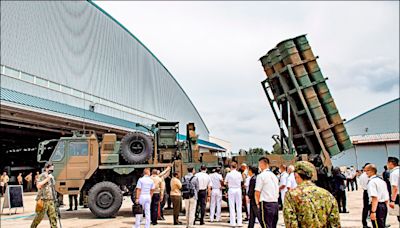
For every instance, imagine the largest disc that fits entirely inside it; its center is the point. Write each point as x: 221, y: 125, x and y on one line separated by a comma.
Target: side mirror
x: 41, y: 149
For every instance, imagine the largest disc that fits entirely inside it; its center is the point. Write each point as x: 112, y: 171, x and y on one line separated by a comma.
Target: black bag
x: 137, y: 209
x: 187, y: 188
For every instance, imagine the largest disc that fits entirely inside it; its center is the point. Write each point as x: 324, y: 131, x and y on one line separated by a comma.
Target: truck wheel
x: 136, y: 147
x: 105, y: 199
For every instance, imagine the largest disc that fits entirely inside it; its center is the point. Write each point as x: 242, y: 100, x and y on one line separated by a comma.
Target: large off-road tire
x: 136, y: 147
x: 105, y: 199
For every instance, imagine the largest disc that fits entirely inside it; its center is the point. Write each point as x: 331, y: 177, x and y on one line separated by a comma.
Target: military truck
x: 104, y: 171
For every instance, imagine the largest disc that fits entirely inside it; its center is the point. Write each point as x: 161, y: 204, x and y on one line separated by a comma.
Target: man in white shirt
x: 216, y: 195
x: 234, y: 182
x: 204, y: 192
x: 353, y: 173
x: 378, y: 197
x: 364, y: 185
x: 144, y: 191
x: 267, y: 194
x: 349, y: 179
x: 393, y: 166
x: 291, y: 181
x: 283, y: 182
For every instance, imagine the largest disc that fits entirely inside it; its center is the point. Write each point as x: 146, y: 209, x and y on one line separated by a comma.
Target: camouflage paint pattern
x: 45, y: 192
x: 49, y: 208
x: 310, y: 206
x: 297, y: 53
x: 323, y: 92
x: 71, y: 171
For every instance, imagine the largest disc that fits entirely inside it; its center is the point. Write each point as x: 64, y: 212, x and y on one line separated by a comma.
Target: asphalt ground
x: 84, y: 218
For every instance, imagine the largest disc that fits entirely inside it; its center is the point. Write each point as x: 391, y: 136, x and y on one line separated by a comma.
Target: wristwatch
x: 373, y: 212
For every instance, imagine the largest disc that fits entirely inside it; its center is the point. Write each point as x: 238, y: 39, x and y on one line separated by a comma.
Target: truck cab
x: 75, y: 159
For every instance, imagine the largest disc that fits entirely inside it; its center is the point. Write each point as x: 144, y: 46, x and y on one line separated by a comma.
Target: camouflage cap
x: 304, y: 167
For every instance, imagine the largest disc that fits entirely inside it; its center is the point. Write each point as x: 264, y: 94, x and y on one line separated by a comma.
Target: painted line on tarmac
x: 18, y: 217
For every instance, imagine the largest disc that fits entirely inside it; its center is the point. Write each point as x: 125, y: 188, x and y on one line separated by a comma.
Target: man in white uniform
x: 291, y: 181
x: 267, y: 194
x: 364, y: 185
x: 234, y: 182
x: 144, y: 192
x: 349, y: 179
x: 216, y: 195
x: 283, y: 182
x: 378, y: 197
x: 204, y: 192
x: 393, y: 166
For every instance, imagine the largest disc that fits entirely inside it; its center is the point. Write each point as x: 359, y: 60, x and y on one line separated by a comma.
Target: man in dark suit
x: 253, y: 171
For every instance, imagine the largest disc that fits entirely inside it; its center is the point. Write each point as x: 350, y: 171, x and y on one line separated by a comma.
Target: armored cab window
x: 78, y: 149
x: 58, y: 153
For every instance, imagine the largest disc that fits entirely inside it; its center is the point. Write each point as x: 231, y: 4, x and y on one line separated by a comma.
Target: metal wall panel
x: 363, y: 153
x: 77, y: 45
x: 393, y: 149
x: 372, y: 153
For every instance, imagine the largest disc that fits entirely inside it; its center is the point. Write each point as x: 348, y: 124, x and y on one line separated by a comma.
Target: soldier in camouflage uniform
x: 45, y: 193
x: 308, y: 205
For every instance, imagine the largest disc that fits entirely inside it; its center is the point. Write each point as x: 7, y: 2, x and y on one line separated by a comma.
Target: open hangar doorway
x: 18, y: 148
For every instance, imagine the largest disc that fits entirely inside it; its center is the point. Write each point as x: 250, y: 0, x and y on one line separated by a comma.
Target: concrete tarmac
x: 124, y: 219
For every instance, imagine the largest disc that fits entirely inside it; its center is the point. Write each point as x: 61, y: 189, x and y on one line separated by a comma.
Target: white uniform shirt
x: 394, y: 177
x: 247, y: 183
x: 234, y: 179
x: 348, y: 174
x: 204, y: 180
x: 378, y: 188
x: 291, y: 181
x: 283, y: 181
x: 364, y: 181
x: 353, y: 173
x: 216, y: 179
x: 146, y: 184
x: 267, y: 185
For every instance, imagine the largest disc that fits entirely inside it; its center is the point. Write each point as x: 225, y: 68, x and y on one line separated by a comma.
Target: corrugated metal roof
x: 380, y: 120
x: 371, y: 110
x: 375, y: 138
x: 41, y: 103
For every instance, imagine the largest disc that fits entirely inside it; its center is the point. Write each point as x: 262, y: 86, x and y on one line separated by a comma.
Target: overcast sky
x: 212, y: 49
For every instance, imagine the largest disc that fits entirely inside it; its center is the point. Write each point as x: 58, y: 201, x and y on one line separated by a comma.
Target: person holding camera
x: 44, y: 198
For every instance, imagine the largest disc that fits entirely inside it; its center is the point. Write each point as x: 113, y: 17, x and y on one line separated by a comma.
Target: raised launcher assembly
x: 300, y: 99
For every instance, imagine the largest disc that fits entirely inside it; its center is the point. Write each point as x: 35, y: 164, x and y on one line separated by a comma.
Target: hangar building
x: 68, y: 65
x: 375, y: 136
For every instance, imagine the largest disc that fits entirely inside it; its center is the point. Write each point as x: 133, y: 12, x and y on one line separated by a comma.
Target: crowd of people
x: 254, y: 195
x: 256, y: 190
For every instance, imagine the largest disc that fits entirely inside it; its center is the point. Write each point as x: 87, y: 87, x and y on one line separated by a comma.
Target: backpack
x: 187, y: 188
